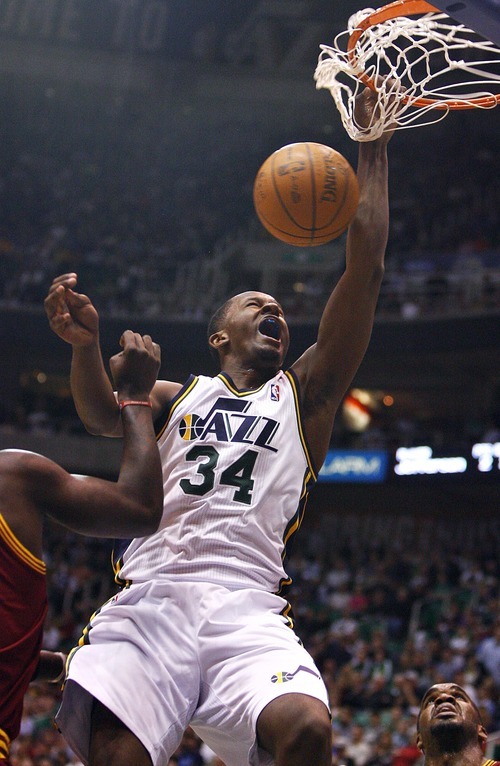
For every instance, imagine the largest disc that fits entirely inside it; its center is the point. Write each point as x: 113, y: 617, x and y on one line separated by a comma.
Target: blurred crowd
x: 101, y: 185
x: 384, y: 615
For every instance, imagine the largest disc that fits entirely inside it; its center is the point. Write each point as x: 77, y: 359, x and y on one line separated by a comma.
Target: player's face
x: 257, y: 331
x: 448, y: 720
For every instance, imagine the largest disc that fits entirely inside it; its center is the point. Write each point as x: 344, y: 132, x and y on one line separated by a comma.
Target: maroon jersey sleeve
x: 23, y: 607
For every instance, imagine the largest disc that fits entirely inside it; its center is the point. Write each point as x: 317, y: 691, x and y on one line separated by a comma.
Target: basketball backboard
x: 481, y: 15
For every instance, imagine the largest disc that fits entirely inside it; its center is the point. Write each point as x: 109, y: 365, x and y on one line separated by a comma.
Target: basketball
x: 306, y: 194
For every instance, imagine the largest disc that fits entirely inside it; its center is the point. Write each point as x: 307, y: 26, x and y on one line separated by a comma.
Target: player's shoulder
x: 164, y: 391
x: 11, y: 459
x: 21, y: 470
x: 23, y: 461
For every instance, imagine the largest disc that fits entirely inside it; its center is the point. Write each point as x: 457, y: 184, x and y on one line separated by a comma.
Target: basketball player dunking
x: 201, y: 634
x: 33, y: 487
x: 449, y: 728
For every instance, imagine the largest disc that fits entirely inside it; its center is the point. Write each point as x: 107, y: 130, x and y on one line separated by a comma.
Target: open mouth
x: 270, y: 327
x: 445, y: 710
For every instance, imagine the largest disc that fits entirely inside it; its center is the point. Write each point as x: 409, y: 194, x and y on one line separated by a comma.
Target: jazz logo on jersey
x: 230, y: 421
x: 284, y: 675
x: 275, y: 392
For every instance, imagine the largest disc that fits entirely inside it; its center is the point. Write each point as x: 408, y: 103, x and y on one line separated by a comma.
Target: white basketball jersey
x: 236, y: 474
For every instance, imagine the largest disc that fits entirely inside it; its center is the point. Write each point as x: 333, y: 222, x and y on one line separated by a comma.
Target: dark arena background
x: 130, y: 136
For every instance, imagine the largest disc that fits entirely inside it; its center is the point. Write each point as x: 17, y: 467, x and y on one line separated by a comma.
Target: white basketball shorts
x: 164, y: 655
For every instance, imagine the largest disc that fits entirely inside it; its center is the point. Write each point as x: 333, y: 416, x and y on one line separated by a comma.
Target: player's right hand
x: 135, y: 369
x: 71, y: 315
x: 367, y: 108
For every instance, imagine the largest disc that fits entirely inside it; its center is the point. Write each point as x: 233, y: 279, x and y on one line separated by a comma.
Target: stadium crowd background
x: 148, y: 199
x: 78, y: 194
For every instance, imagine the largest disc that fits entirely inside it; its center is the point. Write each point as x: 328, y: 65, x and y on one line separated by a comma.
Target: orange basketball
x: 306, y: 194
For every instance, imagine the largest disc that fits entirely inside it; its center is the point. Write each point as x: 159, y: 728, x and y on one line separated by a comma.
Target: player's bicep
x: 63, y: 496
x: 41, y: 484
x: 78, y: 501
x: 93, y: 506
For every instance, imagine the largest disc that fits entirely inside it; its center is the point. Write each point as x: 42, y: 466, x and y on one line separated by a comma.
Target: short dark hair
x: 217, y: 322
x: 218, y: 319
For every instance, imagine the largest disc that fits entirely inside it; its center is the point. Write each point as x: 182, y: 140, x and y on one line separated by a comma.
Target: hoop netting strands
x: 421, y: 68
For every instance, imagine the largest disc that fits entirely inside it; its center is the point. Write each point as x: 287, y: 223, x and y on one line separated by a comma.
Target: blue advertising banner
x: 355, y: 466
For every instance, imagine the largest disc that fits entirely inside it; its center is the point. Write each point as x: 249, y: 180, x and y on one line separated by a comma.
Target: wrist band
x: 133, y: 401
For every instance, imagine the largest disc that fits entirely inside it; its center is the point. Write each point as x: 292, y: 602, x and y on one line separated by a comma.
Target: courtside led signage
x: 355, y: 466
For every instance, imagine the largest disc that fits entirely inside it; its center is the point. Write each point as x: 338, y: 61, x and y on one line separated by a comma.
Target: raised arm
x: 74, y: 318
x: 32, y: 486
x: 132, y: 506
x: 326, y: 369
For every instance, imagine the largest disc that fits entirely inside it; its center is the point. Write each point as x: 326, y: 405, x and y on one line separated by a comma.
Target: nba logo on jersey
x: 275, y: 392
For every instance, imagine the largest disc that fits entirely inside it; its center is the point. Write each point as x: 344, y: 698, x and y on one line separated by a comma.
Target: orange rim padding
x: 409, y: 8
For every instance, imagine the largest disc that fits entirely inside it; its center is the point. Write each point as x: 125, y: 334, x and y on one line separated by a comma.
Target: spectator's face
x: 357, y: 733
x: 448, y: 720
x: 385, y: 740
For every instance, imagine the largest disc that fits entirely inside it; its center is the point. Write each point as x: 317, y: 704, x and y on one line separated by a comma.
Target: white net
x: 423, y: 68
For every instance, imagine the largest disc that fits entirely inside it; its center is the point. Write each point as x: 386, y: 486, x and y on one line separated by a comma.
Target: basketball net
x: 421, y: 68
